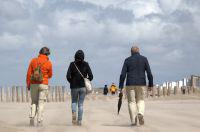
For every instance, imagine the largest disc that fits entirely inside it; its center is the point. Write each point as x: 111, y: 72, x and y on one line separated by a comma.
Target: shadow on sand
x: 119, y: 125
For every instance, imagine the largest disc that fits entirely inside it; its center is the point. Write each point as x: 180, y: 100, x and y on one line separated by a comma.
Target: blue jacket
x: 133, y: 71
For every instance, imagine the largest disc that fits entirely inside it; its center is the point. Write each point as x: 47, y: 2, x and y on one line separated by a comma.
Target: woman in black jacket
x: 77, y: 85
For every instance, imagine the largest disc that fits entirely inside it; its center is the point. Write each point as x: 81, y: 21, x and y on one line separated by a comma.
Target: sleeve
x: 149, y: 74
x: 50, y: 72
x: 89, y: 72
x: 28, y: 75
x: 123, y: 75
x: 68, y: 75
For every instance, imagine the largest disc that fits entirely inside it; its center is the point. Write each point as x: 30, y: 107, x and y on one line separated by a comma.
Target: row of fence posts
x: 21, y: 94
x: 59, y: 93
x: 159, y: 91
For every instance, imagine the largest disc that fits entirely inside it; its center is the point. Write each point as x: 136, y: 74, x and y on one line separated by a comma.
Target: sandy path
x: 100, y: 116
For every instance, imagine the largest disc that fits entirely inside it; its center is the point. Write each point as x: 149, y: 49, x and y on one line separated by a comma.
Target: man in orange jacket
x: 39, y: 89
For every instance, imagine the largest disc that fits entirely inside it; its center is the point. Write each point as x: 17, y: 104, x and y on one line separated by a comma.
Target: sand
x: 162, y: 115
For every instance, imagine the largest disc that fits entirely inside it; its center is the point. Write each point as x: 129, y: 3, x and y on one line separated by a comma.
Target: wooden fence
x: 21, y: 94
x: 168, y: 91
x: 60, y: 93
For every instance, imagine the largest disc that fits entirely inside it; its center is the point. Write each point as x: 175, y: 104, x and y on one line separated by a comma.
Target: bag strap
x: 41, y: 64
x: 78, y: 70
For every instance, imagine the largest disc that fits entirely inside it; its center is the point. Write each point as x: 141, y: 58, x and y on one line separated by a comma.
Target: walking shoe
x: 32, y: 122
x: 136, y: 121
x: 79, y: 123
x: 39, y: 124
x: 141, y: 119
x: 74, y: 118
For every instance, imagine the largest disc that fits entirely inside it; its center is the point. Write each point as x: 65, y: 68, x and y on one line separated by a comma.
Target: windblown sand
x: 162, y: 115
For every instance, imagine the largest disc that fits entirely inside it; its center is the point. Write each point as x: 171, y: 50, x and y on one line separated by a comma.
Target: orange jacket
x: 46, y: 69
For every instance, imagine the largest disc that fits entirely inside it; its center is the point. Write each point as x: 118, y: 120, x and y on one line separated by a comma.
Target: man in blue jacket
x: 133, y: 71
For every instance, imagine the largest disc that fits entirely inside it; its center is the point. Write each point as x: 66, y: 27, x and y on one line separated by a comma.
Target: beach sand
x: 171, y: 114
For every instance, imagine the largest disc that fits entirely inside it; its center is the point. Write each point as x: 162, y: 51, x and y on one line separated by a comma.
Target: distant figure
x: 113, y: 89
x: 39, y: 71
x: 77, y: 85
x: 183, y: 88
x: 105, y: 90
x: 133, y: 71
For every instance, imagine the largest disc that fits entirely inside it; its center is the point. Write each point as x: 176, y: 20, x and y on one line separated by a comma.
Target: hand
x: 28, y: 87
x: 120, y: 94
x: 121, y: 90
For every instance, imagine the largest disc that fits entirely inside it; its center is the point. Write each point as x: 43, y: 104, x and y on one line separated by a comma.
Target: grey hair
x: 135, y: 49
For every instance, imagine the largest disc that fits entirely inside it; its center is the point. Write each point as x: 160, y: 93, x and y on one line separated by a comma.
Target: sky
x: 167, y: 32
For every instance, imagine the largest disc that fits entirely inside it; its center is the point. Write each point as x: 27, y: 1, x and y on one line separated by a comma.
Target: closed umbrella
x: 120, y: 101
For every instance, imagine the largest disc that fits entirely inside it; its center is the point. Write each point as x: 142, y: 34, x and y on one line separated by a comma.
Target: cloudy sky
x: 167, y: 31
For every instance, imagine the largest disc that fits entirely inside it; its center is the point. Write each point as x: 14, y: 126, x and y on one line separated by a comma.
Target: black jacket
x: 134, y: 71
x: 73, y: 76
x: 105, y: 90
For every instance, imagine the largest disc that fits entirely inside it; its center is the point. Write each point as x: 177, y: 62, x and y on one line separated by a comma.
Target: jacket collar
x: 43, y: 56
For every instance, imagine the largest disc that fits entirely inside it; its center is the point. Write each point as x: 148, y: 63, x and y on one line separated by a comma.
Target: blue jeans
x: 78, y: 96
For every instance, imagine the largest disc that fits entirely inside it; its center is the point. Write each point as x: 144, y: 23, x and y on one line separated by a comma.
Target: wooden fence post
x: 188, y: 89
x: 63, y: 93
x: 169, y: 91
x: 192, y: 89
x: 195, y: 90
x: 22, y: 94
x: 56, y: 93
x: 1, y: 94
x: 178, y: 87
x: 52, y: 93
x: 49, y: 94
x: 13, y: 93
x: 59, y: 93
x: 58, y: 96
x: 7, y: 94
x: 27, y: 95
x: 164, y: 91
x: 159, y: 88
x: 18, y: 93
x: 175, y: 90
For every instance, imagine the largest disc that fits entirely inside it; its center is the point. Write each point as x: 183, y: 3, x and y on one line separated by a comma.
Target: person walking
x: 38, y: 74
x: 133, y: 71
x: 77, y: 85
x: 105, y: 90
x: 113, y: 89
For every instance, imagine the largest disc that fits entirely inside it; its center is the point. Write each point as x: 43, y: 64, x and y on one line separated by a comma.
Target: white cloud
x: 44, y: 30
x: 40, y: 3
x: 169, y: 6
x: 174, y: 55
x: 11, y: 42
x: 166, y: 31
x: 12, y: 10
x: 104, y: 3
x: 141, y: 8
